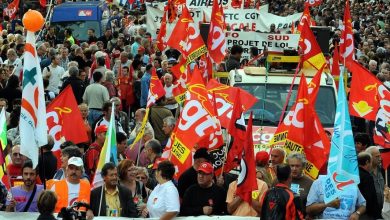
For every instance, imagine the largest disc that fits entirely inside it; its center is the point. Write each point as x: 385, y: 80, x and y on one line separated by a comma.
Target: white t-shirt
x: 55, y: 77
x: 164, y: 198
x: 73, y: 192
x: 169, y: 94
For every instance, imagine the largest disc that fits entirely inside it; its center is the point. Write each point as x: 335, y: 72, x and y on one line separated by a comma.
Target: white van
x: 271, y: 90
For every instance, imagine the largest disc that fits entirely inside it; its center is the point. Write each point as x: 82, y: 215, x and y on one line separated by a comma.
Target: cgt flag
x: 346, y: 42
x: 11, y: 9
x: 64, y: 119
x: 382, y: 121
x: 190, y: 42
x: 216, y: 42
x: 195, y: 122
x: 312, y: 54
x: 32, y: 124
x: 343, y: 171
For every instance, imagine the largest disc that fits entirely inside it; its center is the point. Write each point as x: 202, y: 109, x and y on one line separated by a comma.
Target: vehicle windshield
x: 79, y: 29
x: 272, y: 98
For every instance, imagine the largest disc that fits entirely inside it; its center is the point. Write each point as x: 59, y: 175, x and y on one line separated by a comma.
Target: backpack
x: 278, y: 203
x: 85, y: 160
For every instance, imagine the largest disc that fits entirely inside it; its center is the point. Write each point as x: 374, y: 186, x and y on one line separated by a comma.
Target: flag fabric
x: 156, y: 89
x: 189, y: 42
x: 42, y: 3
x: 247, y: 182
x: 206, y: 67
x: 237, y: 131
x: 225, y: 98
x: 363, y: 94
x: 172, y: 10
x: 343, y: 169
x: 216, y: 41
x: 301, y: 131
x: 195, y: 122
x: 385, y: 155
x: 382, y: 121
x: 314, y: 85
x: 180, y: 71
x: 32, y: 125
x: 3, y: 135
x: 312, y: 54
x: 11, y: 9
x: 346, y: 41
x: 161, y: 37
x: 64, y: 120
x: 335, y: 67
x: 313, y: 3
x: 305, y: 17
x: 108, y: 152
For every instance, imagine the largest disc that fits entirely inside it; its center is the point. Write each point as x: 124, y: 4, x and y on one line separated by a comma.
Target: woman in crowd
x: 164, y: 201
x: 127, y: 177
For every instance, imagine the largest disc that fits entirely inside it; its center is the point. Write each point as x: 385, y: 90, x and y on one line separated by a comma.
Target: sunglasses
x: 141, y: 177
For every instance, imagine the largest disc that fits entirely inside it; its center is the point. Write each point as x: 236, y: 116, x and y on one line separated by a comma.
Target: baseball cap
x: 206, y: 168
x: 262, y: 157
x: 101, y: 129
x: 76, y: 161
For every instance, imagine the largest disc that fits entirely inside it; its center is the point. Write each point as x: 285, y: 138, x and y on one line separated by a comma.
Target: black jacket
x: 78, y: 88
x: 126, y: 200
x: 367, y: 189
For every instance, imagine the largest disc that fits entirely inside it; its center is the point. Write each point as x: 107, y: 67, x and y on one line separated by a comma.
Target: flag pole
x: 101, y: 198
x: 139, y: 150
x: 43, y: 163
x: 386, y: 177
x: 225, y: 153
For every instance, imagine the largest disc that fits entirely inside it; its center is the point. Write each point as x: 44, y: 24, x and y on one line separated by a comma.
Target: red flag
x: 346, y: 41
x: 313, y: 3
x: 161, y: 41
x: 305, y: 17
x: 42, y: 3
x: 189, y: 42
x: 247, y: 181
x: 237, y: 131
x: 180, y: 72
x: 11, y: 9
x: 336, y: 65
x: 312, y: 54
x: 156, y: 89
x: 215, y: 139
x: 64, y: 121
x: 301, y: 131
x: 216, y: 42
x: 225, y: 98
x: 206, y: 67
x: 382, y: 121
x: 314, y: 85
x: 363, y: 95
x: 385, y: 155
x: 171, y: 11
x: 195, y: 121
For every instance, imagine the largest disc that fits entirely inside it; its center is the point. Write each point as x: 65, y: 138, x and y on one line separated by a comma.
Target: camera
x: 73, y: 213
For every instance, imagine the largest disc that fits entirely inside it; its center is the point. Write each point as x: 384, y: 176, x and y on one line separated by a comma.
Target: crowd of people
x: 116, y: 68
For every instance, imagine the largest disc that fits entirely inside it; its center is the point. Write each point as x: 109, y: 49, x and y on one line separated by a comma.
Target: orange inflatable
x: 33, y: 20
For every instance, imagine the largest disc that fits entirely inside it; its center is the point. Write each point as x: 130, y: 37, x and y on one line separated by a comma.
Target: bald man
x: 171, y: 103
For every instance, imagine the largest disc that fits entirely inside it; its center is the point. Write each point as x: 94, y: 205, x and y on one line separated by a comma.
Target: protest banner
x: 273, y: 42
x: 255, y: 20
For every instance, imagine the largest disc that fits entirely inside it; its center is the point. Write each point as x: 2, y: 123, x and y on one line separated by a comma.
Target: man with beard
x: 24, y: 198
x: 116, y: 200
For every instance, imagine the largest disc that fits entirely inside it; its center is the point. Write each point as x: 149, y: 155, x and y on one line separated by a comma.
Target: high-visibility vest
x: 61, y: 189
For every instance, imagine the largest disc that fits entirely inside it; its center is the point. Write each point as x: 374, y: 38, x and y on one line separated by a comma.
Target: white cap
x: 76, y: 161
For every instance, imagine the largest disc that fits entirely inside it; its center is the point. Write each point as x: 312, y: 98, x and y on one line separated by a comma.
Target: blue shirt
x: 145, y: 82
x: 349, y: 201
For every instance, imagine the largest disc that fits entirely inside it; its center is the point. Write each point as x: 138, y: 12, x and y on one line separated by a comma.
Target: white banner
x: 202, y: 4
x: 255, y: 20
x: 273, y: 42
